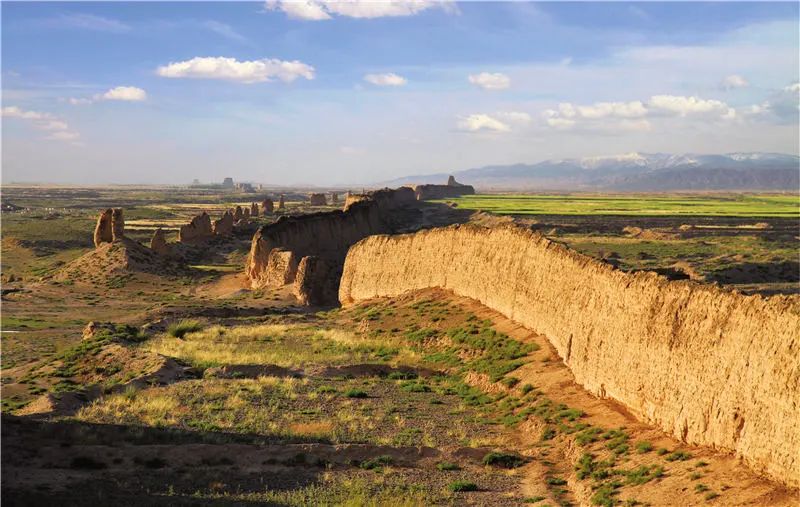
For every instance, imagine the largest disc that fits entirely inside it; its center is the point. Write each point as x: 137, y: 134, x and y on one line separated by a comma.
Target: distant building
x: 195, y: 182
x: 245, y: 187
x: 227, y: 183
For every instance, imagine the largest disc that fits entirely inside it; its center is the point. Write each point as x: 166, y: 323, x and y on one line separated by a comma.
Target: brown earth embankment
x: 711, y: 367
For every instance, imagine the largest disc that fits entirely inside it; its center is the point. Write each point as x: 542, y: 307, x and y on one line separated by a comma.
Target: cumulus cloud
x: 126, y: 93
x: 633, y: 109
x: 490, y: 81
x: 318, y: 10
x: 58, y: 129
x: 231, y: 69
x: 123, y: 93
x: 781, y: 107
x: 632, y: 116
x: 515, y: 117
x: 389, y: 79
x: 682, y: 106
x: 734, y: 81
x: 482, y: 122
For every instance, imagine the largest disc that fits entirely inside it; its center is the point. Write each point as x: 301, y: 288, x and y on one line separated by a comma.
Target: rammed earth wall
x: 710, y: 366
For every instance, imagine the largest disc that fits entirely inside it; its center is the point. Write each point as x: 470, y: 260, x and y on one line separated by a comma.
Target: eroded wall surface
x: 325, y: 235
x: 709, y: 366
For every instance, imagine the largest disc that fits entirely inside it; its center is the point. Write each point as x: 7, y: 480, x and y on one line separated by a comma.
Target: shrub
x: 526, y: 388
x: 355, y: 393
x: 460, y: 486
x: 376, y: 463
x: 533, y: 499
x: 446, y: 466
x: 556, y: 481
x: 678, y: 456
x: 510, y: 381
x: 182, y: 328
x: 503, y: 460
x: 549, y: 433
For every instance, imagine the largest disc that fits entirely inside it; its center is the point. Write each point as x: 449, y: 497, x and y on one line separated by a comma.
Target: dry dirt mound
x: 639, y: 233
x: 117, y: 258
x: 104, y: 362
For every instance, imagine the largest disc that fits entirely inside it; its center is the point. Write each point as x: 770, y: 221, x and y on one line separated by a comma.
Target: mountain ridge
x: 635, y: 171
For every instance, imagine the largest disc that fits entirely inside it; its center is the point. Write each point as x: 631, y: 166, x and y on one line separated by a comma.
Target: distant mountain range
x: 634, y: 171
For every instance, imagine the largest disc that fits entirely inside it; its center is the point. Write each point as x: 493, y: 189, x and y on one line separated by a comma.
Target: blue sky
x: 356, y: 92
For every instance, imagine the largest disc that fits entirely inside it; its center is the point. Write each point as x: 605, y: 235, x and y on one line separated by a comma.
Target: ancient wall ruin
x: 387, y: 198
x: 102, y: 230
x: 317, y: 200
x: 451, y: 189
x: 158, y: 243
x: 711, y: 367
x: 110, y: 226
x: 197, y: 231
x: 223, y: 226
x: 325, y: 235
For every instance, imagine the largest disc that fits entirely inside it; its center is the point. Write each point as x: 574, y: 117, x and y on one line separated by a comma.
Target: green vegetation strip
x: 738, y: 205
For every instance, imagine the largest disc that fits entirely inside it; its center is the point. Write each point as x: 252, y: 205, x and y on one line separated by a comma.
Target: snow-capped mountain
x: 636, y: 171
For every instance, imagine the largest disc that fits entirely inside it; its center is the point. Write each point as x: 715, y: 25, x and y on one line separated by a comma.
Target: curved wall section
x: 710, y: 366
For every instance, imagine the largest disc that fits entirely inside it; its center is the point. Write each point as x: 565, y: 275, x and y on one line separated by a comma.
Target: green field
x: 741, y: 205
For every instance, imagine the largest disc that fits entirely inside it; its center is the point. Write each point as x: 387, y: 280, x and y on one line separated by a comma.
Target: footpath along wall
x: 709, y: 366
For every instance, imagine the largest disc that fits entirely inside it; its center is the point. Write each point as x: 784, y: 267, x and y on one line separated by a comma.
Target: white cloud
x: 126, y: 93
x: 782, y: 106
x: 633, y: 115
x: 482, y: 122
x: 517, y: 117
x: 390, y: 79
x: 560, y: 123
x: 734, y: 81
x: 230, y: 69
x: 490, y: 81
x: 79, y: 101
x: 633, y: 109
x: 16, y: 112
x: 64, y: 135
x: 58, y: 128
x: 318, y: 10
x: 682, y: 106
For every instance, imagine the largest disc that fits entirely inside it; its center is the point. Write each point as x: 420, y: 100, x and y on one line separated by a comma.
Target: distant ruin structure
x: 238, y: 214
x: 452, y: 189
x: 312, y: 247
x: 227, y: 183
x: 253, y: 209
x: 267, y: 206
x: 110, y: 226
x: 223, y: 226
x: 158, y: 243
x: 281, y: 204
x: 102, y: 231
x: 197, y: 231
x: 334, y: 198
x: 317, y: 200
x: 117, y: 225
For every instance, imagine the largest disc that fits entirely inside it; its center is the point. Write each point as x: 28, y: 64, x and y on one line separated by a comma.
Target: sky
x: 355, y: 92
